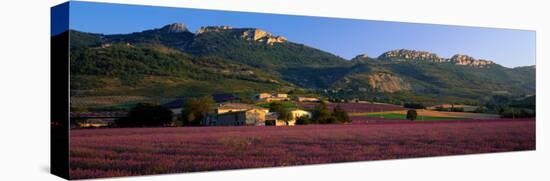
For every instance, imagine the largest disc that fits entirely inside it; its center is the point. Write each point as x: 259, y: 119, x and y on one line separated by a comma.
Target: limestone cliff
x: 410, y: 55
x: 213, y: 29
x: 250, y: 34
x: 379, y: 81
x: 469, y: 61
x: 423, y: 56
x: 262, y: 36
x: 386, y: 82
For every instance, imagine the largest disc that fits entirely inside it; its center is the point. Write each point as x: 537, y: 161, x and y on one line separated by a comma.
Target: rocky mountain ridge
x: 469, y: 61
x: 401, y: 74
x: 174, y: 28
x: 250, y: 34
x: 425, y: 56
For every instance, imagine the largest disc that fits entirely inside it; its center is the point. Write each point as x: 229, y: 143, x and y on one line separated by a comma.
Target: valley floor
x: 138, y: 151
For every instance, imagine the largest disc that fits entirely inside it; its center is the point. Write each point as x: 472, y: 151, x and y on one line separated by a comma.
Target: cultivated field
x: 138, y: 151
x: 428, y: 114
x: 357, y: 107
x: 389, y: 112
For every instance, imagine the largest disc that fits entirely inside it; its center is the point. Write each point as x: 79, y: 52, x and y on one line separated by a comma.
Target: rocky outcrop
x: 262, y: 36
x: 469, y: 61
x: 361, y: 57
x: 250, y: 34
x: 386, y: 82
x: 174, y: 28
x: 213, y: 29
x: 410, y: 55
x: 423, y: 56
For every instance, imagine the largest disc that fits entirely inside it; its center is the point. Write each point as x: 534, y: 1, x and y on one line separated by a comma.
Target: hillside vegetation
x: 172, y: 61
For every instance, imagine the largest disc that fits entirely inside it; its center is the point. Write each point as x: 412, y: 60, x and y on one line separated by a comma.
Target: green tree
x: 411, y: 115
x: 340, y: 114
x: 195, y: 110
x: 282, y: 110
x: 303, y: 120
x: 321, y: 114
x: 146, y: 115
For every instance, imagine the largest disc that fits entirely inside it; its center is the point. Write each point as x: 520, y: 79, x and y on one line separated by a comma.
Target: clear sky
x: 343, y: 37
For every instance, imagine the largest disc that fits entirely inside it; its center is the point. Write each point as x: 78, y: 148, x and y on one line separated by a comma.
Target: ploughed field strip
x: 357, y: 107
x: 139, y: 151
x: 423, y: 115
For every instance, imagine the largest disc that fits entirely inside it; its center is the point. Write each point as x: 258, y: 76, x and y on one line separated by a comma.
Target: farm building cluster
x: 236, y: 114
x: 228, y: 111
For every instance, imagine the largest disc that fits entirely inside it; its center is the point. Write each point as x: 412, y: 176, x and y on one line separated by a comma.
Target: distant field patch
x: 419, y: 118
x: 356, y: 107
x: 427, y: 115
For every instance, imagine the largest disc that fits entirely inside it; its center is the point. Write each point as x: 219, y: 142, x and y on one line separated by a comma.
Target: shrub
x: 303, y: 120
x: 411, y: 115
x: 340, y: 114
x: 146, y: 115
x: 321, y: 114
x: 412, y: 105
x: 196, y: 110
x: 282, y: 110
x: 511, y: 112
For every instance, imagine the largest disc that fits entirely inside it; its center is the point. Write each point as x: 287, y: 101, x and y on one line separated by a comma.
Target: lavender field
x: 138, y: 151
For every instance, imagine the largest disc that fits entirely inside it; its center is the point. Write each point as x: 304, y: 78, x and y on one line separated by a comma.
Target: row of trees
x: 322, y: 115
x: 510, y: 107
x: 154, y: 115
x: 146, y: 115
x: 414, y: 105
x: 282, y: 110
x: 196, y: 109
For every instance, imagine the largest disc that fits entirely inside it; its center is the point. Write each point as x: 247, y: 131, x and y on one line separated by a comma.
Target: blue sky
x: 343, y: 37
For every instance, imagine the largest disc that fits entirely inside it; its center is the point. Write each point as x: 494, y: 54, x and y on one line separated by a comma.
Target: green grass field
x: 419, y: 117
x: 289, y: 105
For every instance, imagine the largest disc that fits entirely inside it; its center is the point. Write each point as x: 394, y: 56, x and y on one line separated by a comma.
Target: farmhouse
x: 295, y: 114
x: 271, y: 118
x: 300, y: 113
x: 267, y: 97
x: 95, y: 123
x: 443, y: 107
x: 239, y: 114
x: 236, y: 114
x: 94, y: 119
x: 233, y: 107
x: 308, y: 99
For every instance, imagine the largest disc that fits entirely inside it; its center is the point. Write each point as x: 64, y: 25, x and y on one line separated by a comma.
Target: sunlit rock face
x: 213, y: 29
x: 423, y: 56
x: 250, y: 34
x: 174, y: 28
x: 262, y: 36
x: 470, y: 61
x: 386, y: 82
x: 410, y: 55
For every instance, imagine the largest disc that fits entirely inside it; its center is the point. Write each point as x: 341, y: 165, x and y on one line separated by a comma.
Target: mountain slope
x: 431, y: 76
x: 173, y: 56
x: 155, y: 70
x: 253, y: 47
